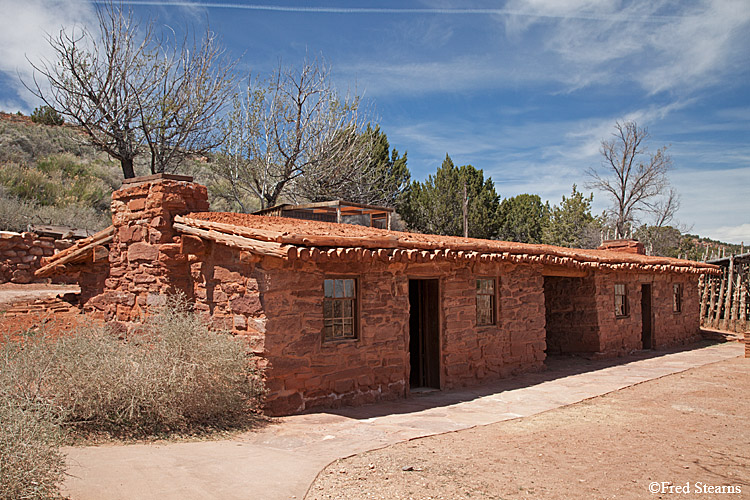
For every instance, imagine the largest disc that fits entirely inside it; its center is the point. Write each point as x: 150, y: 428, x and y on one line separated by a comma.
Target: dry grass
x: 175, y: 377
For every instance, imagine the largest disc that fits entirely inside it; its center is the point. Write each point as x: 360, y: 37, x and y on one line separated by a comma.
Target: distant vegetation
x: 52, y: 175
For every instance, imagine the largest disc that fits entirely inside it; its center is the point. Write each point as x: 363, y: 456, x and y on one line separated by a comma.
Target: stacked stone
x: 145, y: 261
x: 21, y: 254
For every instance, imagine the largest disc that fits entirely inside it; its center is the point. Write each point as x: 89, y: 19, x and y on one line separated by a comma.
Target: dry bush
x: 31, y: 465
x: 176, y: 376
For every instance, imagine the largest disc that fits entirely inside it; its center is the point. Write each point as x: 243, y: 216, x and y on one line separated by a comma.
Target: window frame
x: 493, y: 298
x: 677, y: 298
x: 325, y: 337
x: 625, y: 301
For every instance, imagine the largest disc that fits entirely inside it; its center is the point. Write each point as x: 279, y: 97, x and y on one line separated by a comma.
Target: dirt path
x: 691, y: 429
x: 11, y: 293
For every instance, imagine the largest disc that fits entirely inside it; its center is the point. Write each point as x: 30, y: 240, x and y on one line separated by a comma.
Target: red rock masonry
x: 619, y: 336
x: 145, y: 261
x: 21, y: 255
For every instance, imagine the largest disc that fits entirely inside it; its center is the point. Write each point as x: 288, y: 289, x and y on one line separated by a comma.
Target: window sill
x: 335, y: 342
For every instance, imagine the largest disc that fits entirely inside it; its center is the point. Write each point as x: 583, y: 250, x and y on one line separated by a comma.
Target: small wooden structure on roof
x: 342, y: 212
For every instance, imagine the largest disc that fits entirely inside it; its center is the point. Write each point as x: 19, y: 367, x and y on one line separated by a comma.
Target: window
x: 676, y: 297
x: 485, y: 301
x: 621, y: 300
x: 340, y: 309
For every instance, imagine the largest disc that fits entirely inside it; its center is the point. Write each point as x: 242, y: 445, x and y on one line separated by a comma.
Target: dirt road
x: 684, y: 436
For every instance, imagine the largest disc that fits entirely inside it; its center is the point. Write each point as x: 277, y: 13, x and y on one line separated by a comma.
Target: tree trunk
x: 127, y: 168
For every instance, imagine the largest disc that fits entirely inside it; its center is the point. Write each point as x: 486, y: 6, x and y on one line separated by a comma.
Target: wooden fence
x: 724, y: 299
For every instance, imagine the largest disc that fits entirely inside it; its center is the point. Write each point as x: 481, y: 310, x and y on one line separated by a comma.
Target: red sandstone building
x: 347, y: 315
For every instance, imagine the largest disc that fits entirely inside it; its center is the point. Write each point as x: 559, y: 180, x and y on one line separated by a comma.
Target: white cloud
x: 24, y: 26
x: 574, y: 44
x: 732, y: 234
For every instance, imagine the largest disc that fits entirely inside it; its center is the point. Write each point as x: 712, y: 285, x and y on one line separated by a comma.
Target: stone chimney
x: 626, y: 246
x: 145, y: 262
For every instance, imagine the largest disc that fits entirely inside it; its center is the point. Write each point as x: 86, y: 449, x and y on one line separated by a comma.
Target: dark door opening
x: 424, y: 333
x: 647, y: 334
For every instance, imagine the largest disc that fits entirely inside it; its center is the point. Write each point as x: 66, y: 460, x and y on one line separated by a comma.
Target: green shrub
x: 46, y: 115
x: 176, y: 376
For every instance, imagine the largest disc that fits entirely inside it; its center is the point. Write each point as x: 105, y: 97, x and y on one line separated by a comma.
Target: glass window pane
x: 327, y: 308
x: 484, y: 309
x: 328, y: 288
x: 348, y: 328
x: 347, y: 311
x: 349, y: 288
x: 337, y: 309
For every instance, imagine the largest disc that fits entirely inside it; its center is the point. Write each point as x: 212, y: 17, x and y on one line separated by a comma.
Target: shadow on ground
x: 556, y: 367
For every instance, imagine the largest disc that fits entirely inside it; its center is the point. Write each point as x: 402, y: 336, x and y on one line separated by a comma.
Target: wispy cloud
x: 675, y: 53
x: 591, y: 15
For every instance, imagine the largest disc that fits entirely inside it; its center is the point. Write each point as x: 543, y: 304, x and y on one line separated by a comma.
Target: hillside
x: 52, y: 175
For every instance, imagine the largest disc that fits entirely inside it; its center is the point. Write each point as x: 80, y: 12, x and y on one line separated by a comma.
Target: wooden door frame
x: 438, y: 355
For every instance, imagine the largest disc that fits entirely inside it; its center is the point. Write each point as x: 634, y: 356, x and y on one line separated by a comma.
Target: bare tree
x: 181, y: 116
x: 632, y: 177
x: 291, y: 125
x: 665, y: 209
x: 126, y: 89
x: 94, y: 81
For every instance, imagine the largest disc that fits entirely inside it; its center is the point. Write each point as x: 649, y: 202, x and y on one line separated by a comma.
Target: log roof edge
x: 81, y: 251
x: 313, y: 240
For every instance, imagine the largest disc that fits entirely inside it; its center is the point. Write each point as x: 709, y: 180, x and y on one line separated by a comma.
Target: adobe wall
x: 622, y: 335
x: 572, y: 319
x: 21, y: 254
x: 145, y: 262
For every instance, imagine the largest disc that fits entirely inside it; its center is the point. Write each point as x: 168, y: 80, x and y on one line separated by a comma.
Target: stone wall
x: 572, y: 319
x: 622, y: 335
x: 514, y: 344
x: 21, y: 254
x: 278, y: 307
x: 145, y: 262
x: 675, y: 328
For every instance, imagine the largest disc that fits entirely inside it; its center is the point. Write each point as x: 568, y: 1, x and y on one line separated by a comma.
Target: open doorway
x: 424, y: 333
x: 647, y: 326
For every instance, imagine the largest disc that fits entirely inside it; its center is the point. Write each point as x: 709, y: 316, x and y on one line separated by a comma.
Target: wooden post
x: 704, y: 284
x: 712, y: 314
x: 466, y: 212
x: 743, y: 297
x: 728, y: 298
x: 720, y: 298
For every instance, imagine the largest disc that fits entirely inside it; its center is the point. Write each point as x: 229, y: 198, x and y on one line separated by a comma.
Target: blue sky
x: 523, y: 89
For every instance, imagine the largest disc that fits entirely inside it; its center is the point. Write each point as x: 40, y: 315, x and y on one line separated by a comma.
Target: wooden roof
x: 89, y: 249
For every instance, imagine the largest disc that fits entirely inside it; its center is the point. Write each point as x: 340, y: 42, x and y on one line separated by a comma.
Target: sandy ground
x: 688, y: 432
x: 11, y: 293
